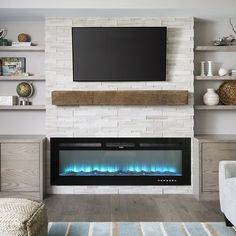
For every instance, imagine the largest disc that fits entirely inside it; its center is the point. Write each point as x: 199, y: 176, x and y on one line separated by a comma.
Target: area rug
x: 139, y: 229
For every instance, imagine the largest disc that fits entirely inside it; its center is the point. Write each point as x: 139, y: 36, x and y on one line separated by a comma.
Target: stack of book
x: 21, y: 44
x: 233, y: 72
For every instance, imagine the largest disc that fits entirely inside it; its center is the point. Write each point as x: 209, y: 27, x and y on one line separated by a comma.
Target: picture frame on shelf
x: 12, y: 66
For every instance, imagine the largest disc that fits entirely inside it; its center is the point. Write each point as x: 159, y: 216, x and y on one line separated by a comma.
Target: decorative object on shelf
x: 202, y: 68
x: 223, y: 72
x: 227, y: 93
x: 24, y: 40
x: 233, y: 72
x: 211, y: 98
x: 8, y: 100
x: 3, y: 41
x: 209, y: 73
x: 22, y: 37
x: 226, y: 40
x: 27, y: 74
x: 0, y: 67
x: 3, y: 33
x: 13, y: 65
x: 25, y: 90
x: 21, y: 44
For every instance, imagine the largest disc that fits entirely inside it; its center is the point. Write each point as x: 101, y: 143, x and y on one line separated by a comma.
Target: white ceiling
x: 38, y: 10
x: 120, y: 4
x: 13, y: 14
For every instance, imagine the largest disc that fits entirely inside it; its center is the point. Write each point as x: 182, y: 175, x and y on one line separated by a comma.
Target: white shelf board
x: 22, y: 78
x: 22, y: 49
x: 217, y: 107
x: 214, y: 78
x: 23, y: 108
x: 215, y: 48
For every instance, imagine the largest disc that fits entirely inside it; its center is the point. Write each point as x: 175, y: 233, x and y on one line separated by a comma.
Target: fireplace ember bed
x: 120, y: 161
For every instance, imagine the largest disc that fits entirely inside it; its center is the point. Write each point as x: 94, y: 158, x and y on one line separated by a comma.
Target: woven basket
x: 227, y: 93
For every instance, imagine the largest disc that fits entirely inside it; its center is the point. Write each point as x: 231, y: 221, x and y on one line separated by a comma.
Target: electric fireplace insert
x: 120, y: 161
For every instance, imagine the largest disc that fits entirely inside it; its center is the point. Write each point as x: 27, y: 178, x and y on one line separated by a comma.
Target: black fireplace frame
x: 183, y: 144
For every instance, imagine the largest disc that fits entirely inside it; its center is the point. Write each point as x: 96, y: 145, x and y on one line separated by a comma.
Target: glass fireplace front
x: 120, y: 161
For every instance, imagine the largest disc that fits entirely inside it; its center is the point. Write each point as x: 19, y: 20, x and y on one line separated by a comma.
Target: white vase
x: 211, y: 98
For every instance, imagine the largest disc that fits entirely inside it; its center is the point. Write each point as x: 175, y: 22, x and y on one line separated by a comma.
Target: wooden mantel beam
x: 118, y: 97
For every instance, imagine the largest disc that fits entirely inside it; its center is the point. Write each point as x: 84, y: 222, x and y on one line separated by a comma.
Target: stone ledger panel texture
x: 119, y: 121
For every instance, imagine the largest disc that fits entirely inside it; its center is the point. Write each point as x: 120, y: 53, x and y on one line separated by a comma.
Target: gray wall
x: 34, y: 122
x: 171, y: 4
x: 25, y: 122
x: 213, y: 122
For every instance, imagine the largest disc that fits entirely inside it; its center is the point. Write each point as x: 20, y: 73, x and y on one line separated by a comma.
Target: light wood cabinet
x: 22, y: 166
x: 209, y: 150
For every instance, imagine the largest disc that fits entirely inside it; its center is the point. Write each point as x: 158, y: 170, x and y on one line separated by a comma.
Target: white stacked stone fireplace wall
x: 119, y: 121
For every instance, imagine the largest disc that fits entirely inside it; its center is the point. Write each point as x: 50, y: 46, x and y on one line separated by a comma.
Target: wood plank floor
x: 131, y: 208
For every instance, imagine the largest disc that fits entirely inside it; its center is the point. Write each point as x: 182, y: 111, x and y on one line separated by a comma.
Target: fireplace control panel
x: 166, y: 180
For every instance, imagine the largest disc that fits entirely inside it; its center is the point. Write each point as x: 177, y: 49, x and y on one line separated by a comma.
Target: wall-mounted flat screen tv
x: 119, y: 53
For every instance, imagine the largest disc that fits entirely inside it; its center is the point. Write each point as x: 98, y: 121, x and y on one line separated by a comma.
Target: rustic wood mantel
x: 118, y: 97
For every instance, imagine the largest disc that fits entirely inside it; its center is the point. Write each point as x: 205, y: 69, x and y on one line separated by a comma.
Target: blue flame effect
x: 101, y: 170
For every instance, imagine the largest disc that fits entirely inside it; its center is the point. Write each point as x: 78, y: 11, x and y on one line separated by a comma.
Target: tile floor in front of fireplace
x: 99, y: 208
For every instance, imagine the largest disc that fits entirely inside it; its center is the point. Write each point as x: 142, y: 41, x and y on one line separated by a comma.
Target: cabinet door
x: 212, y: 153
x: 19, y: 167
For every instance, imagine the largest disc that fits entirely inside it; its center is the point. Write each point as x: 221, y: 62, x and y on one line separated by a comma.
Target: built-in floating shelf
x: 214, y: 78
x: 223, y: 138
x: 217, y: 107
x: 22, y: 78
x: 216, y: 48
x: 131, y: 97
x: 22, y: 49
x: 23, y: 108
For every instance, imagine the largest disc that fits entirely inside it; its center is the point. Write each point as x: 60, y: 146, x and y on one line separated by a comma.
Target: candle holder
x: 209, y: 69
x: 202, y: 68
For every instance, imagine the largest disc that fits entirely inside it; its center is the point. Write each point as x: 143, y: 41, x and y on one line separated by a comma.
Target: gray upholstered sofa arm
x: 227, y: 187
x: 227, y: 169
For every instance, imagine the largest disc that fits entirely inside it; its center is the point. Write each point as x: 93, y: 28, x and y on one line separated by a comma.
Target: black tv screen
x: 119, y: 53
